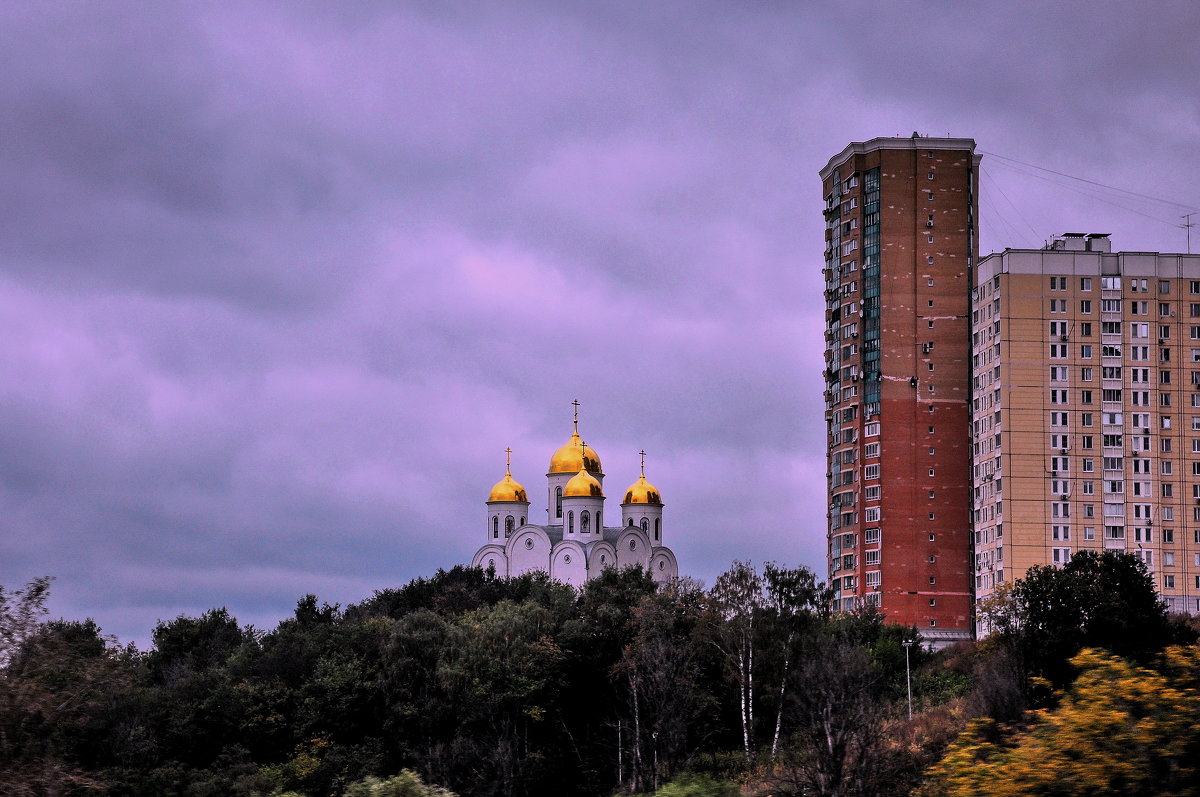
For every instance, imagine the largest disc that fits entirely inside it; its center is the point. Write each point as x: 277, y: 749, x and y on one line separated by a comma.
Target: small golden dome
x: 508, y: 489
x: 574, y: 457
x: 642, y: 492
x: 583, y: 485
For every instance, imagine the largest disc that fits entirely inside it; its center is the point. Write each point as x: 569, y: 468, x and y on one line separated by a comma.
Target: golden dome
x: 583, y: 485
x: 574, y: 457
x: 642, y: 492
x: 508, y: 489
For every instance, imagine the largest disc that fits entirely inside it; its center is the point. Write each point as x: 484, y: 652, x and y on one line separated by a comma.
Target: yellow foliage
x: 1120, y: 730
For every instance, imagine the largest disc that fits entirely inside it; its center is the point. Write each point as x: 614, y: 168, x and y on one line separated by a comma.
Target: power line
x: 1016, y: 210
x: 1108, y: 200
x: 1093, y: 182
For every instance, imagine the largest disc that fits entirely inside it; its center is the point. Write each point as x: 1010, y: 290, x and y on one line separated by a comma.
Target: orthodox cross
x: 643, y: 453
x: 575, y: 403
x: 508, y: 460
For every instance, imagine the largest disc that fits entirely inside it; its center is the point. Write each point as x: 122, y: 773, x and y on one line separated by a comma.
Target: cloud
x: 279, y: 283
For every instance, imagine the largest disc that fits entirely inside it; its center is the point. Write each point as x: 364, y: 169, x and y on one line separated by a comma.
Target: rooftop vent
x: 1081, y: 242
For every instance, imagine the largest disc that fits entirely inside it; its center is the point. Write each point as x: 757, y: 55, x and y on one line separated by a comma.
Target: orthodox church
x: 574, y: 545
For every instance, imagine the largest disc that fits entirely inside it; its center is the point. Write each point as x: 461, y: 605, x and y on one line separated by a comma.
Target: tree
x: 1120, y: 730
x: 193, y: 644
x: 1105, y: 600
x: 662, y: 668
x: 21, y: 613
x: 794, y: 599
x: 60, y: 695
x: 501, y: 671
x: 837, y: 713
x: 736, y: 601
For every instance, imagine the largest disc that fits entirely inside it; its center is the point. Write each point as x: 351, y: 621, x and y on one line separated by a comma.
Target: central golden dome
x: 583, y: 485
x: 642, y: 492
x: 574, y: 457
x: 508, y: 489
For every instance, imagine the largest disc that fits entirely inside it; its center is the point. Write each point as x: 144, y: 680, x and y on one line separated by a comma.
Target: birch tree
x: 737, y: 602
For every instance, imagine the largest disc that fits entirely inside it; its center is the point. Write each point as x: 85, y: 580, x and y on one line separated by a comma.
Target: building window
x: 558, y: 502
x: 496, y: 527
x: 509, y: 522
x: 570, y: 523
x: 645, y: 525
x: 657, y: 528
x: 585, y: 522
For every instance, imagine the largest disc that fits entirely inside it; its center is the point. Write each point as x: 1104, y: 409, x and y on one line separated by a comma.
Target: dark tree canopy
x: 1102, y: 600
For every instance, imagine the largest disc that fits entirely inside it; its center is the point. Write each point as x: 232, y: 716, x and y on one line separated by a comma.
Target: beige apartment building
x: 1085, y: 411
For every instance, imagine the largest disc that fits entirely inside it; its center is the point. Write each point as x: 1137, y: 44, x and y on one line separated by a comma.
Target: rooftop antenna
x: 1188, y: 224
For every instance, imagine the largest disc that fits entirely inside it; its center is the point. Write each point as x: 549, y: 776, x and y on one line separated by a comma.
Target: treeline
x: 523, y: 686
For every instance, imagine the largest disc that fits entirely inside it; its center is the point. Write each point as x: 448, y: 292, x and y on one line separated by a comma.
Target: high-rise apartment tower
x: 1086, y: 411
x: 901, y: 245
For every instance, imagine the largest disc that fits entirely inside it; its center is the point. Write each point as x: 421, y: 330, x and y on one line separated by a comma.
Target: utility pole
x: 1187, y: 225
x: 908, y: 674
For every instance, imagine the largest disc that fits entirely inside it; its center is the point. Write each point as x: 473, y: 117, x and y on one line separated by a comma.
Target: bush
x: 698, y: 786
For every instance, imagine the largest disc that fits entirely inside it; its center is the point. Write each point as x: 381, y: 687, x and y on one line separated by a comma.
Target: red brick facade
x: 901, y: 241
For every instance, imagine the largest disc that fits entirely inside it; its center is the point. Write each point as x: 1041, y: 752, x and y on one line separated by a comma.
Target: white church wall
x: 600, y: 556
x: 492, y: 556
x: 663, y: 565
x: 633, y: 548
x: 569, y: 563
x: 528, y: 549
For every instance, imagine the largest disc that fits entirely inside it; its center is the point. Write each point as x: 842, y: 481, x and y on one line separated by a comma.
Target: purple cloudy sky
x: 279, y: 282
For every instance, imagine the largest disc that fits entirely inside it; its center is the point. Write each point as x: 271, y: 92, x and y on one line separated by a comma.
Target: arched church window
x: 585, y: 522
x: 522, y: 520
x: 599, y: 524
x: 508, y: 525
x: 558, y: 502
x: 645, y: 525
x: 570, y: 523
x: 495, y: 527
x: 630, y: 522
x: 657, y: 528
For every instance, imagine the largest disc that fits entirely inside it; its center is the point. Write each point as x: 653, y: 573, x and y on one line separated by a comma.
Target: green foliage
x: 20, y: 613
x: 1104, y: 600
x: 697, y: 786
x: 528, y: 687
x: 406, y: 784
